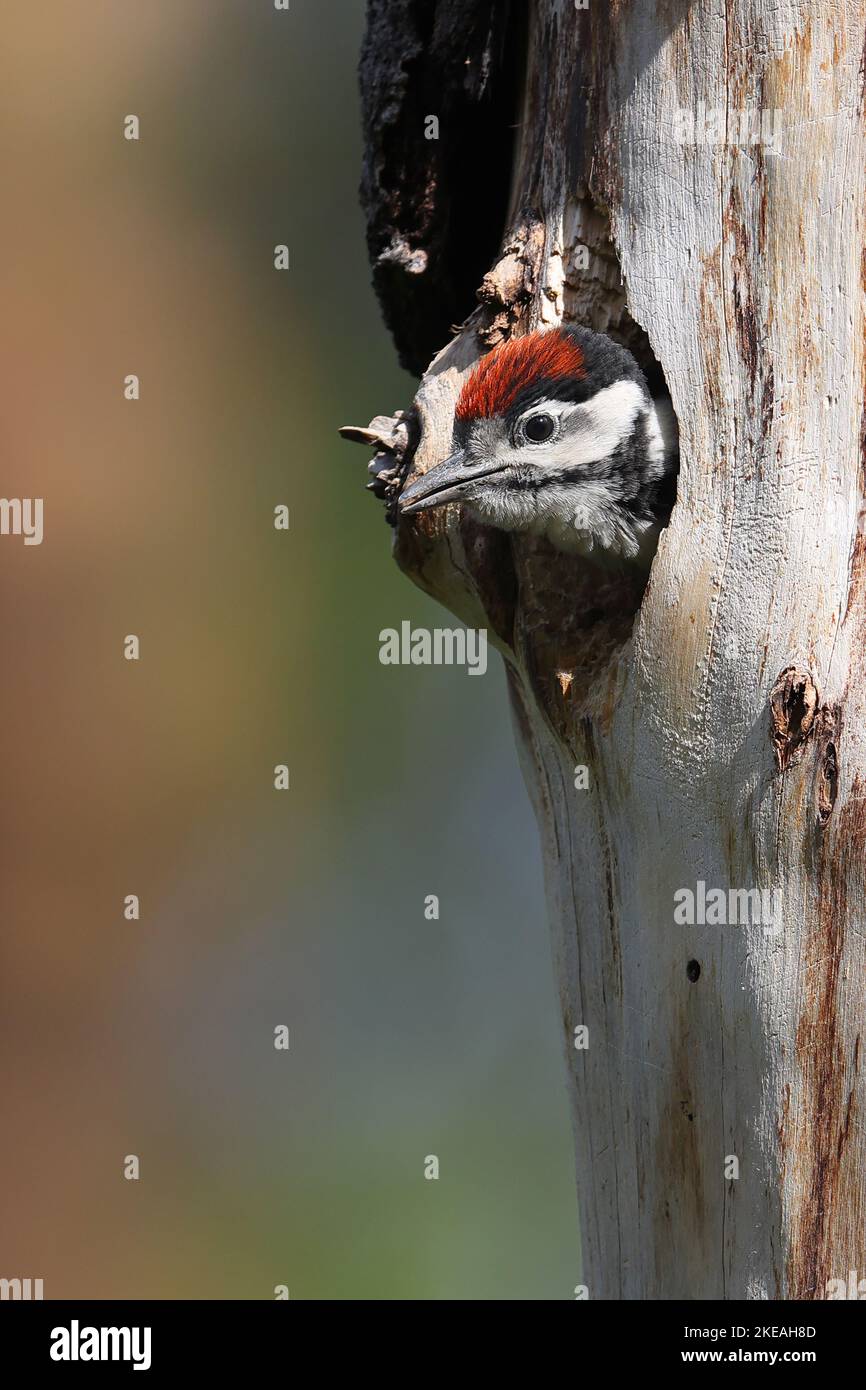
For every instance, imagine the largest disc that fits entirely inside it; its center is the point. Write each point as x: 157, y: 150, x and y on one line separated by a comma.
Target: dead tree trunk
x: 719, y: 1105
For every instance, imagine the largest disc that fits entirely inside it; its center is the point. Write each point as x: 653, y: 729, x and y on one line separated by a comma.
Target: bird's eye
x: 539, y: 428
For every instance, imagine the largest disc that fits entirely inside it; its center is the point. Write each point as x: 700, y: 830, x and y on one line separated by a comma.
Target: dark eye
x: 538, y: 428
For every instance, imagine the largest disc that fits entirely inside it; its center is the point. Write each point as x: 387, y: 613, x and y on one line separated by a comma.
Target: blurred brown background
x: 155, y: 1037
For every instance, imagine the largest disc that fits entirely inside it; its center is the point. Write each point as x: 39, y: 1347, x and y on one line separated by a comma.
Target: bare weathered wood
x: 721, y: 712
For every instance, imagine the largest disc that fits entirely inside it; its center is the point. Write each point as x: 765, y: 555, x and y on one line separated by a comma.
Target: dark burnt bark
x: 436, y: 208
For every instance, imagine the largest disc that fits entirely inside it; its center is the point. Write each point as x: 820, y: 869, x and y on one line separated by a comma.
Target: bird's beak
x: 447, y: 482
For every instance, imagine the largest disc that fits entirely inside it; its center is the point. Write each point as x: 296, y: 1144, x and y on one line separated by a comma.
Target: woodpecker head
x: 557, y: 434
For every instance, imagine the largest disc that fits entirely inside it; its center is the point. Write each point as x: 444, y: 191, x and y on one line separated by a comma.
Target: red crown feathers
x: 497, y: 380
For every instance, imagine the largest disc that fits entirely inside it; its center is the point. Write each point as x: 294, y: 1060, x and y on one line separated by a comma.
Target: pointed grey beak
x: 447, y: 482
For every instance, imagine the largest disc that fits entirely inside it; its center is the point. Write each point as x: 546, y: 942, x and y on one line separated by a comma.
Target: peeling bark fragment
x: 793, y: 702
x: 507, y: 290
x: 395, y: 438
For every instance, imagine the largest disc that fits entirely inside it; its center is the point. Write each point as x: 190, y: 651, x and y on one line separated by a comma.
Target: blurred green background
x: 258, y: 647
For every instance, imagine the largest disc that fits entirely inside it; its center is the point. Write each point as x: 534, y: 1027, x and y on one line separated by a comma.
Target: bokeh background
x: 258, y: 647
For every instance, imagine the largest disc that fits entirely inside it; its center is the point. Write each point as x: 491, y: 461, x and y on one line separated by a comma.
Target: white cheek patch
x: 595, y: 429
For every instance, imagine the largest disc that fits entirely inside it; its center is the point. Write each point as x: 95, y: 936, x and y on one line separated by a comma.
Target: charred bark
x: 436, y: 207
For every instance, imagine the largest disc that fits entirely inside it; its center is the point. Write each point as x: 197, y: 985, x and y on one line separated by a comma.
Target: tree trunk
x: 718, y: 1106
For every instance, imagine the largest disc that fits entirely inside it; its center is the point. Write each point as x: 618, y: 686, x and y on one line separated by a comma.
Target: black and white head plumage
x: 557, y: 434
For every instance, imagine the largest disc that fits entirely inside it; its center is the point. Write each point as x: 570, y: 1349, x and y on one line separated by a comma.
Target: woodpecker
x: 556, y: 434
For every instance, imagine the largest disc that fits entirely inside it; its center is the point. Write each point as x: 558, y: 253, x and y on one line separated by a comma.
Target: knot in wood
x: 793, y: 703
